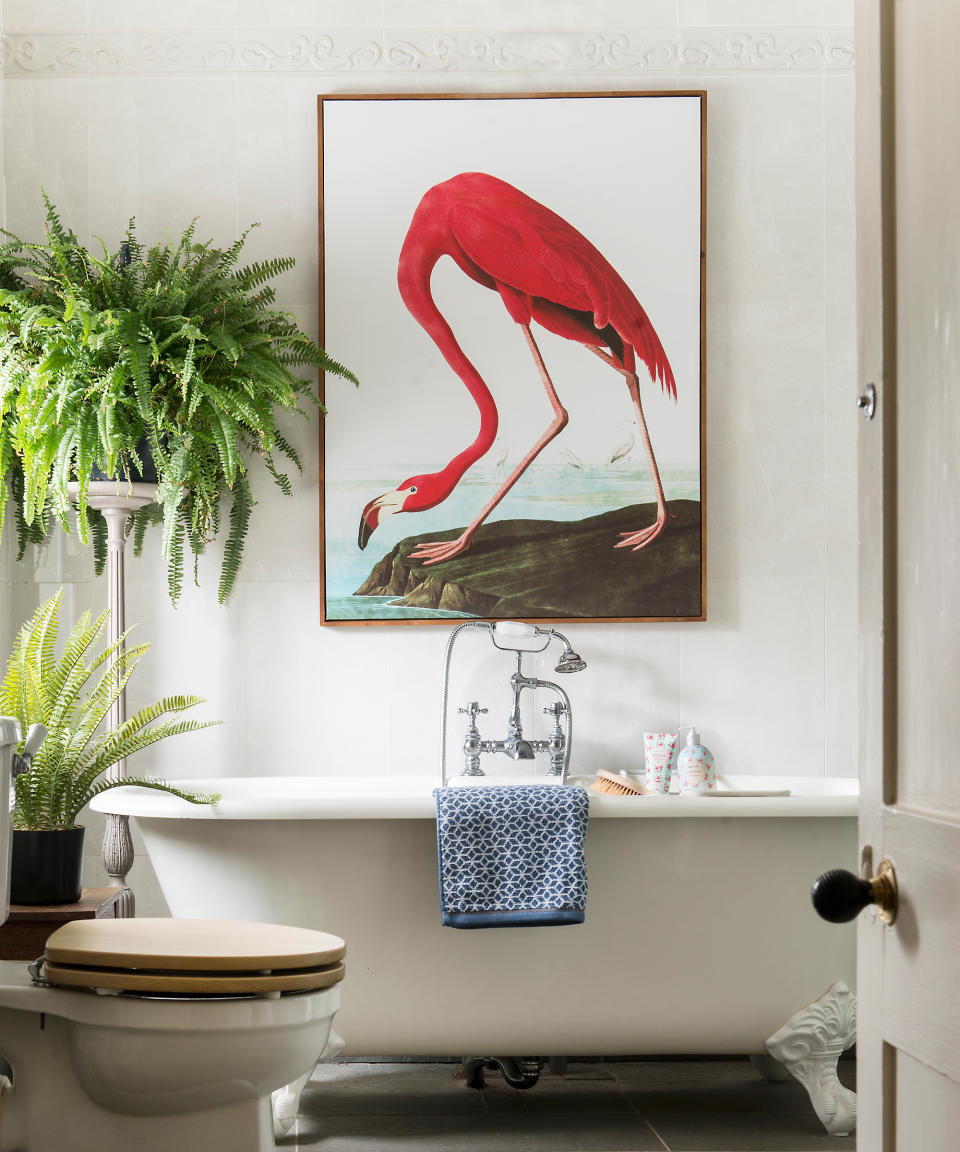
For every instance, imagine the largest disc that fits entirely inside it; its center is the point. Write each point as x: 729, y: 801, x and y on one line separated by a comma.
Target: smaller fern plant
x: 70, y: 695
x: 176, y: 347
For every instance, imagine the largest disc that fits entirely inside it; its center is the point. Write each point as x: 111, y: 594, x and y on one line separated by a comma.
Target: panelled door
x: 908, y: 221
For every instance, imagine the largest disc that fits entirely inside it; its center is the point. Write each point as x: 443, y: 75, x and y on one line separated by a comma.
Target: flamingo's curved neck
x: 417, y: 260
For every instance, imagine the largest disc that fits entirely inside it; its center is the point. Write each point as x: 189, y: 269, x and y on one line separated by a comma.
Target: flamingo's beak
x: 377, y: 511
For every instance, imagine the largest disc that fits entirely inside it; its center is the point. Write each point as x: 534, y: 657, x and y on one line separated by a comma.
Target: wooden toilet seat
x: 200, y: 957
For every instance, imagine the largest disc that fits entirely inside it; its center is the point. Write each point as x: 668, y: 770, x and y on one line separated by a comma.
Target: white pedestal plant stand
x: 117, y: 500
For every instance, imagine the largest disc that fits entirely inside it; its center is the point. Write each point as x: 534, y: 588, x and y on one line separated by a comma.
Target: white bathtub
x: 699, y: 934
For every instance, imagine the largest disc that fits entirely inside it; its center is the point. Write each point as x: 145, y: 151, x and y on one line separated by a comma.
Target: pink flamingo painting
x: 544, y: 270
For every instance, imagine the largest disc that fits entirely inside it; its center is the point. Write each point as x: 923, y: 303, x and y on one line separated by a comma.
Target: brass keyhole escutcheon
x: 885, y: 894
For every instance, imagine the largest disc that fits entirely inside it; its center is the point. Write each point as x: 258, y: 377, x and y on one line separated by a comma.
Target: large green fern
x: 70, y: 695
x: 177, y: 344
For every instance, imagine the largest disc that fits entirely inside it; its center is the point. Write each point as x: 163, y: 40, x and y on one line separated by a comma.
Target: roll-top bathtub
x: 699, y: 936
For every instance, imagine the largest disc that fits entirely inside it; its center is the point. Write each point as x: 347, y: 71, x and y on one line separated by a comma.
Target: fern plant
x: 176, y: 346
x: 70, y: 695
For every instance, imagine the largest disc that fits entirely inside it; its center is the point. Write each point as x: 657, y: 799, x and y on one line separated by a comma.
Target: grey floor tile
x: 580, y: 1090
x: 390, y: 1089
x: 748, y: 1132
x: 640, y: 1106
x: 480, y: 1134
x: 682, y: 1088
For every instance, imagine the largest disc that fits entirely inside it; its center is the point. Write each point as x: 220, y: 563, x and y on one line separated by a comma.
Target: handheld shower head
x: 570, y: 661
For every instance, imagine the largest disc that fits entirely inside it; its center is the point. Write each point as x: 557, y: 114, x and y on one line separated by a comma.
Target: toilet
x: 160, y: 1034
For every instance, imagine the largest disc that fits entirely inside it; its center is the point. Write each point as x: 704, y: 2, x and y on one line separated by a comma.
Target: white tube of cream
x: 658, y: 749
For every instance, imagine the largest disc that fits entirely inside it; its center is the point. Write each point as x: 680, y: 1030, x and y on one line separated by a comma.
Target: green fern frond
x: 225, y: 343
x: 240, y: 511
x: 180, y: 344
x: 112, y: 751
x: 97, y: 525
x: 142, y: 519
x: 289, y: 451
x: 57, y: 692
x: 259, y: 272
x: 158, y: 786
x: 174, y: 553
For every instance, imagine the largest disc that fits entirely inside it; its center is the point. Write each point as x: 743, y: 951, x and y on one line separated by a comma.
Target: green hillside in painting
x: 534, y: 569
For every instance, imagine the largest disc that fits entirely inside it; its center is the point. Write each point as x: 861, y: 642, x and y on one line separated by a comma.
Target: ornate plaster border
x: 628, y: 53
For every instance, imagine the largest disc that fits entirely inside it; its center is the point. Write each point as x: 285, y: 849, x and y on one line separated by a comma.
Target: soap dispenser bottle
x: 695, y: 767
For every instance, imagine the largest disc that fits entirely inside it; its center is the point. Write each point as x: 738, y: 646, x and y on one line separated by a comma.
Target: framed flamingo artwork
x: 518, y: 283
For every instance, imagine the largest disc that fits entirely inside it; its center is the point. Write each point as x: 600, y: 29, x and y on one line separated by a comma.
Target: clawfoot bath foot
x: 809, y: 1046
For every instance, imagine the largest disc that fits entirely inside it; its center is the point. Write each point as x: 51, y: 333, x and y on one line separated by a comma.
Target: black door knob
x: 839, y: 896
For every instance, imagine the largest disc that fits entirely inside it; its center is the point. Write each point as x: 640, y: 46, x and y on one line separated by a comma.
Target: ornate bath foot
x: 285, y: 1102
x: 809, y: 1046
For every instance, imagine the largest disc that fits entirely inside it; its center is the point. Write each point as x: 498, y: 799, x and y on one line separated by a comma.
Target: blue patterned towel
x: 512, y: 856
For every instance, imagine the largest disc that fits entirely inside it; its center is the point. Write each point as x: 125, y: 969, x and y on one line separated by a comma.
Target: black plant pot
x: 147, y: 476
x: 46, y: 865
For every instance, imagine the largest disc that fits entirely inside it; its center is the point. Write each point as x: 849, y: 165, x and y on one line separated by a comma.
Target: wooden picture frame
x: 518, y: 282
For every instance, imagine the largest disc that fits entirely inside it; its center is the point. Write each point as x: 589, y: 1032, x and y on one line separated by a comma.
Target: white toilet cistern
x: 214, y: 1031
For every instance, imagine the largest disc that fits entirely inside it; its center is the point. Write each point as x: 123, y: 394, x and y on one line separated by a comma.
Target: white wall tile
x: 631, y: 685
x: 277, y: 181
x: 311, y: 13
x: 114, y: 14
x: 765, y: 178
x: 46, y: 140
x: 840, y: 207
x: 195, y: 649
x: 315, y: 700
x: 839, y: 13
x: 210, y: 110
x: 510, y: 14
x: 753, y: 678
x: 165, y: 151
x: 45, y: 15
x: 842, y: 421
x: 734, y: 13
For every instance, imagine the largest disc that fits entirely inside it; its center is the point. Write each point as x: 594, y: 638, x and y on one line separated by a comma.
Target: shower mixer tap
x: 515, y: 744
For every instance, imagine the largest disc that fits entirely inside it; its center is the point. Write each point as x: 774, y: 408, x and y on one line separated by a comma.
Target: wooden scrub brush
x: 615, y: 784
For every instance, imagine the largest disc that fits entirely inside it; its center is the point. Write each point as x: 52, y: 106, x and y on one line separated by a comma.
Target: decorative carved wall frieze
x: 627, y: 53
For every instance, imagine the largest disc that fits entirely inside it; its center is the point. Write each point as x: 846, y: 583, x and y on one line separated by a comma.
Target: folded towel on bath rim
x: 512, y: 856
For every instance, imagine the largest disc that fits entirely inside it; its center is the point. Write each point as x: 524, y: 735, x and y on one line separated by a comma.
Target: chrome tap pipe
x: 519, y: 682
x: 446, y: 684
x: 560, y: 742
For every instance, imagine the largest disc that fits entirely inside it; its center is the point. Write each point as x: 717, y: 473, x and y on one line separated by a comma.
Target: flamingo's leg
x: 434, y: 552
x: 640, y: 539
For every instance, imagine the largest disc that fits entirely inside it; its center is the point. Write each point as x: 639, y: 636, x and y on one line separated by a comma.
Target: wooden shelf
x: 25, y: 933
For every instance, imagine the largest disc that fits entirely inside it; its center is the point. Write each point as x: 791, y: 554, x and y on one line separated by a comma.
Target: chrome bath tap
x: 514, y: 744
